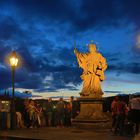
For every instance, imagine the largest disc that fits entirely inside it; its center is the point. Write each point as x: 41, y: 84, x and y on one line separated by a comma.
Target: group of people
x: 50, y: 113
x: 125, y: 115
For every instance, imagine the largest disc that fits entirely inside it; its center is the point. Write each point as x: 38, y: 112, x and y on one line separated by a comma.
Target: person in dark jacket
x: 135, y: 112
x: 114, y: 112
x: 120, y: 107
x: 49, y: 111
x: 75, y: 107
x: 60, y: 110
x: 67, y: 115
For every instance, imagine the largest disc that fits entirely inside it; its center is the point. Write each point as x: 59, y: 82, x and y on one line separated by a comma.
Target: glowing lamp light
x: 13, y: 59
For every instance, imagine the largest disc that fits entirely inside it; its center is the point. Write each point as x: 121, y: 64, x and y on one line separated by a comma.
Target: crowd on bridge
x: 58, y: 114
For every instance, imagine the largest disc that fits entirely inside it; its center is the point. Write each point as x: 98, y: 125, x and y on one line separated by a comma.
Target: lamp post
x: 13, y: 63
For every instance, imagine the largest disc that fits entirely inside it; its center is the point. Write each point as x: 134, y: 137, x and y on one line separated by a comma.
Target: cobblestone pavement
x: 59, y: 134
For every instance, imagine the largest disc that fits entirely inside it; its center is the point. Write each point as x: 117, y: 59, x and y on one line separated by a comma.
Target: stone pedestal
x: 91, y: 114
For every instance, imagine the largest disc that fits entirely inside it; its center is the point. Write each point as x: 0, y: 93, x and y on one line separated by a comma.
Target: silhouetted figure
x: 67, y: 115
x: 60, y: 112
x: 33, y: 114
x: 75, y: 107
x: 135, y: 112
x: 114, y: 112
x: 49, y: 111
x: 25, y: 114
x: 120, y: 119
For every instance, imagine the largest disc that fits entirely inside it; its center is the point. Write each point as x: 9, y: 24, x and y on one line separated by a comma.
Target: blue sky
x: 43, y: 34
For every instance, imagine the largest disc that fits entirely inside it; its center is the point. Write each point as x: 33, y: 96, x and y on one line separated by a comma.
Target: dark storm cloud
x: 49, y: 89
x: 132, y: 67
x: 52, y: 8
x: 56, y: 88
x: 34, y: 70
x: 23, y: 79
x: 8, y: 28
x: 132, y: 10
x: 110, y: 91
x: 62, y: 74
x: 112, y: 57
x: 136, y: 93
x: 113, y: 67
x: 61, y: 10
x: 61, y: 80
x: 136, y: 50
x: 72, y: 75
x: 90, y: 13
x: 98, y: 14
x: 5, y: 80
x: 3, y: 51
x: 28, y: 60
x: 31, y: 81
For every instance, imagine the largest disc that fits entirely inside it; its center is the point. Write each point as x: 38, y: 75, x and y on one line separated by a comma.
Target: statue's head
x: 92, y: 47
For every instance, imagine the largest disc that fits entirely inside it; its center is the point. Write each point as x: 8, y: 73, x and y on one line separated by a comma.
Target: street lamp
x: 13, y: 63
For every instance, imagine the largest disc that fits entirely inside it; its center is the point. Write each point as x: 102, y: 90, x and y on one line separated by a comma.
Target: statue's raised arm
x: 81, y: 59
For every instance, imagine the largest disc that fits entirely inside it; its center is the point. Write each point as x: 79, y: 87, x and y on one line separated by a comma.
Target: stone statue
x: 93, y: 65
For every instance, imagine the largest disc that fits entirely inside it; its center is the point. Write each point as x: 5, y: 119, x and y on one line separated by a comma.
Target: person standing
x: 135, y: 112
x: 67, y: 115
x: 32, y: 113
x: 114, y: 112
x: 60, y: 110
x: 75, y: 108
x: 120, y: 118
x: 49, y: 111
x: 25, y: 113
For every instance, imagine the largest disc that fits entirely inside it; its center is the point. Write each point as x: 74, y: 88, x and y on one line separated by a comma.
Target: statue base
x: 91, y: 114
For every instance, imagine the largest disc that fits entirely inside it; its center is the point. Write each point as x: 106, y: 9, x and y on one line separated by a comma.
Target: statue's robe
x: 93, y: 65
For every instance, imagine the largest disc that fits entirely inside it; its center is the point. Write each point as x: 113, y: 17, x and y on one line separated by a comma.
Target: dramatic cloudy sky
x: 43, y: 33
